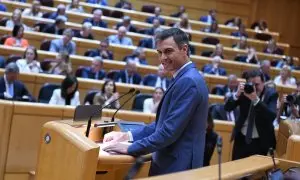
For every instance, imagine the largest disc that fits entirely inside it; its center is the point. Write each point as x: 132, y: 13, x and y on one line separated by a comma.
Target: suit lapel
x: 185, y: 69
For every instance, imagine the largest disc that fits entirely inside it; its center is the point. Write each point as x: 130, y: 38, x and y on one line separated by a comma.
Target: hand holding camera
x: 248, y: 89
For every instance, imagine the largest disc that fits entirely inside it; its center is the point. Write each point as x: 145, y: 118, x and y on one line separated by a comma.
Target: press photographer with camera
x: 253, y: 132
x: 288, y: 105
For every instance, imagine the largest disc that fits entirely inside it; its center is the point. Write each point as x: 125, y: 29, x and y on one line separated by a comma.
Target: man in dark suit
x: 96, y: 20
x: 11, y: 88
x: 157, y: 12
x: 265, y: 67
x: 230, y: 87
x: 149, y: 42
x: 102, y: 51
x: 57, y: 28
x: 176, y: 138
x: 219, y: 112
x: 127, y: 23
x: 210, y: 17
x: 130, y: 75
x: 253, y: 132
x: 157, y: 80
x: 151, y: 31
x: 95, y: 71
x: 214, y: 68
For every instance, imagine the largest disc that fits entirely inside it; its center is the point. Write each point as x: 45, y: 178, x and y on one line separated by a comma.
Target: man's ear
x: 185, y: 48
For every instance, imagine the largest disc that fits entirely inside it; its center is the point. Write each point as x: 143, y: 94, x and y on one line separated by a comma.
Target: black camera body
x: 293, y: 99
x: 249, y: 88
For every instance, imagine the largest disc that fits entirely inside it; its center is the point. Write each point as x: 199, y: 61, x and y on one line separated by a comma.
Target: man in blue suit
x: 95, y: 71
x: 177, y: 136
x: 214, y: 68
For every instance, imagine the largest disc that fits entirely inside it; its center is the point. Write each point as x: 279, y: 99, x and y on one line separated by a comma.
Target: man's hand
x: 114, y: 137
x: 252, y: 96
x: 240, y: 89
x: 121, y: 148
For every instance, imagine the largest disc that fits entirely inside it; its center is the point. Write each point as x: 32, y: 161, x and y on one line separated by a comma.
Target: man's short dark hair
x: 254, y: 73
x: 179, y: 36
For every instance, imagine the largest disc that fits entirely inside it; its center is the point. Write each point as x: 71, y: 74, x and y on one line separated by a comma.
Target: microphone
x: 113, y: 117
x: 106, y: 130
x: 219, y: 149
x: 90, y: 119
x: 271, y: 151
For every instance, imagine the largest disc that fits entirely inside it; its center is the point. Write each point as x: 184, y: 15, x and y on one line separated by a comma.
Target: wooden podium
x: 66, y: 154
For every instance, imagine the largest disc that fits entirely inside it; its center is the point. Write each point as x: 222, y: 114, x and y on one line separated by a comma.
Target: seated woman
x: 16, y: 18
x: 183, y: 23
x: 242, y: 44
x: 285, y: 78
x: 62, y: 66
x: 29, y: 63
x: 17, y: 39
x: 151, y: 104
x: 68, y: 93
x: 75, y: 7
x: 107, y: 95
x: 260, y: 25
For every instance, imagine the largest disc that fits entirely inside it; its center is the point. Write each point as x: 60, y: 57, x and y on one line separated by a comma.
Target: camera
x: 249, y: 88
x: 293, y: 99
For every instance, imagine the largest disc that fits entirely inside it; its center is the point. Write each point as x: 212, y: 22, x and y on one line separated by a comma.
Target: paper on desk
x: 103, y: 145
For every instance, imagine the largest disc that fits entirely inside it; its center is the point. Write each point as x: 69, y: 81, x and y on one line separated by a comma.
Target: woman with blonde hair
x: 285, y: 78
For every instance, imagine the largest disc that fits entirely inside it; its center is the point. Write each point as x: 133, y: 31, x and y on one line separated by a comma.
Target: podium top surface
x: 230, y: 170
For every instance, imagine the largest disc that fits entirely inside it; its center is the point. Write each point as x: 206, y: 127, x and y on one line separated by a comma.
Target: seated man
x: 155, y: 25
x: 61, y: 11
x: 214, y: 68
x: 102, y: 51
x: 218, y: 112
x: 130, y: 75
x: 58, y: 27
x: 210, y: 17
x: 230, y: 87
x: 96, y: 20
x: 149, y: 42
x: 95, y: 71
x: 11, y: 88
x: 126, y: 22
x: 138, y: 56
x: 64, y: 44
x: 157, y: 12
x: 250, y: 57
x: 157, y: 80
x: 120, y: 38
x: 86, y: 31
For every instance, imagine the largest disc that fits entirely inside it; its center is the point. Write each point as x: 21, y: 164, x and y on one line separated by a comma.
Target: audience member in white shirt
x: 29, y: 63
x: 151, y: 104
x: 67, y: 94
x: 34, y: 11
x: 285, y: 78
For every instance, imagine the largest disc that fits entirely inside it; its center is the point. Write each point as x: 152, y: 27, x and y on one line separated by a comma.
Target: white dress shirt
x: 149, y: 106
x: 24, y: 67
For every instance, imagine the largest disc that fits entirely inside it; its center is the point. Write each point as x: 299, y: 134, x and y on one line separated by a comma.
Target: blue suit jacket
x: 177, y: 136
x: 150, y: 80
x: 208, y: 69
x: 151, y: 19
x: 147, y: 43
x: 136, y: 77
x: 88, y: 73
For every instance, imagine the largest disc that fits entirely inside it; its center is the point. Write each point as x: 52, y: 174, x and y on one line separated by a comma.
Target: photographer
x: 253, y: 132
x: 288, y: 105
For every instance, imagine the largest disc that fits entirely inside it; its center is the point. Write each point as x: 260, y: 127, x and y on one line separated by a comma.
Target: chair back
x: 138, y: 102
x: 89, y: 98
x: 46, y: 92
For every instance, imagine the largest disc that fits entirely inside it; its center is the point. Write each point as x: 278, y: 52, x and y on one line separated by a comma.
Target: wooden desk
x: 230, y: 170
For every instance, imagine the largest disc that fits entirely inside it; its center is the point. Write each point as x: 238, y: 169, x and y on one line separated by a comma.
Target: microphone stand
x: 219, y: 148
x: 109, y: 129
x: 90, y: 119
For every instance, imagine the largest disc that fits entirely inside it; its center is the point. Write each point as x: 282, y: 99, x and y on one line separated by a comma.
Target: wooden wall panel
x: 283, y: 17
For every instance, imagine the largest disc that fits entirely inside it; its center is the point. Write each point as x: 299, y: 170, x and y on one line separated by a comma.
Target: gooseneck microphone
x: 109, y: 129
x: 113, y: 117
x: 90, y: 119
x: 219, y: 149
